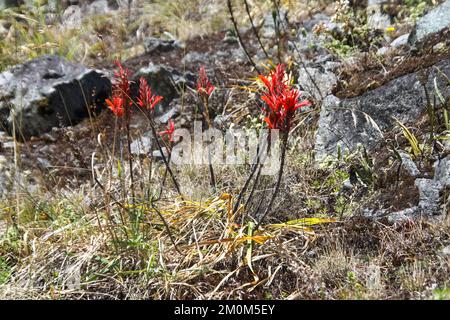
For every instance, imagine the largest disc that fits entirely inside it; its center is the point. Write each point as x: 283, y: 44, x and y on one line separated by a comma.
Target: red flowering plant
x: 120, y: 105
x: 147, y: 102
x: 204, y: 90
x: 281, y: 102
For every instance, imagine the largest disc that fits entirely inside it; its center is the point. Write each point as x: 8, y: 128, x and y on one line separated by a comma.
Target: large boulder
x: 47, y: 92
x: 346, y: 123
x: 433, y: 23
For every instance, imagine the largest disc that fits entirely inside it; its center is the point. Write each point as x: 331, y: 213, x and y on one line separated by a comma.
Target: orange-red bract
x: 282, y: 100
x: 170, y: 128
x: 146, y: 99
x: 204, y: 86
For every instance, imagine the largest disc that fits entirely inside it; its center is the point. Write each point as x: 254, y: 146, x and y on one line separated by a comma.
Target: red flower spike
x: 116, y: 106
x: 146, y: 99
x: 281, y: 99
x: 121, y: 101
x: 204, y: 86
x: 169, y: 131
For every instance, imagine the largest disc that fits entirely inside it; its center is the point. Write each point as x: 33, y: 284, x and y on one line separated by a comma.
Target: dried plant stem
x: 130, y: 160
x: 255, y: 184
x: 172, y: 239
x: 255, y: 31
x: 249, y: 178
x: 163, y: 182
x: 241, y: 42
x: 207, y: 118
x: 155, y: 135
x: 277, y: 21
x: 280, y: 175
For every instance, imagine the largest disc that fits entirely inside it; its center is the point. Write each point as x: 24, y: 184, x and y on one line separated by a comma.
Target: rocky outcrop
x: 47, y: 92
x: 434, y: 22
x: 346, y: 123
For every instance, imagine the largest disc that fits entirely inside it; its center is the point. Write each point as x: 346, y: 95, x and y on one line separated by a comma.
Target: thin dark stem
x: 255, y: 31
x: 255, y: 184
x: 277, y: 186
x: 249, y: 178
x: 155, y: 135
x: 163, y: 181
x: 277, y: 22
x: 167, y: 228
x: 241, y: 42
x: 130, y: 160
x: 207, y: 118
x: 172, y: 176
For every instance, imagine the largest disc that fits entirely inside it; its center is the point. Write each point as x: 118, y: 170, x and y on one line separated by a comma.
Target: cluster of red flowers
x: 281, y: 99
x: 121, y: 100
x: 146, y: 99
x: 204, y: 86
x: 169, y: 131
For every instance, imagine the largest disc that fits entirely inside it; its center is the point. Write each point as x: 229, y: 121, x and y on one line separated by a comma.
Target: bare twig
x: 277, y: 186
x: 241, y: 42
x: 255, y: 31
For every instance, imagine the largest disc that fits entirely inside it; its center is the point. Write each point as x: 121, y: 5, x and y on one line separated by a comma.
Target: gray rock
x: 43, y: 163
x: 442, y: 171
x: 347, y: 123
x: 98, y: 7
x: 271, y: 20
x: 152, y: 44
x: 5, y: 183
x: 445, y: 251
x: 402, y: 216
x: 47, y: 92
x: 408, y: 164
x: 310, y: 42
x: 382, y: 51
x: 324, y: 80
x: 429, y: 196
x: 142, y: 146
x: 193, y: 57
x: 172, y: 113
x: 8, y: 145
x: 165, y: 81
x: 72, y: 17
x: 375, y: 18
x: 434, y: 22
x: 431, y: 202
x: 400, y: 41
